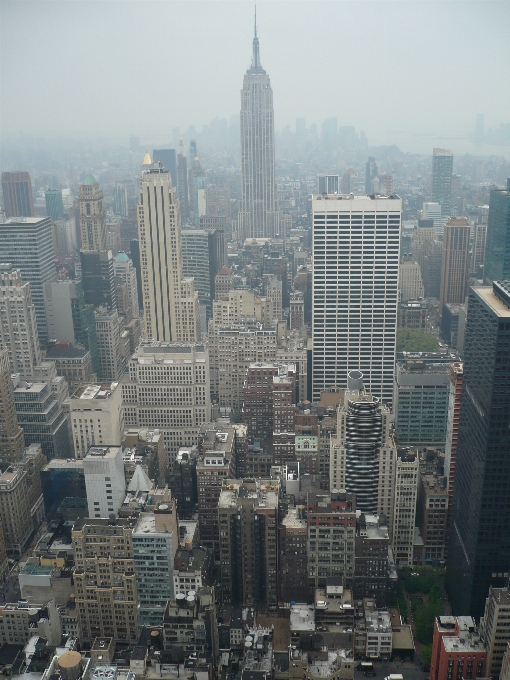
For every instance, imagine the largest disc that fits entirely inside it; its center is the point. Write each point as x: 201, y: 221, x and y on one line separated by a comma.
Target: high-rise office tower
x: 54, y: 203
x: 442, y: 170
x: 12, y: 443
x: 455, y: 262
x: 120, y: 200
x: 371, y: 172
x: 112, y: 344
x: 18, y: 326
x: 171, y: 305
x: 203, y: 255
x: 182, y: 184
x: 169, y: 159
x: 258, y: 214
x: 98, y: 278
x: 17, y: 191
x: 497, y: 247
x: 27, y: 244
x: 479, y: 548
x: 363, y: 452
x: 92, y: 215
x: 356, y: 243
x: 96, y: 416
x: 105, y: 480
x: 329, y: 184
x: 478, y: 252
x: 70, y: 318
x: 42, y: 418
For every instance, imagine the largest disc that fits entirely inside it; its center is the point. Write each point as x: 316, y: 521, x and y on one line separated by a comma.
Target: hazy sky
x: 74, y: 67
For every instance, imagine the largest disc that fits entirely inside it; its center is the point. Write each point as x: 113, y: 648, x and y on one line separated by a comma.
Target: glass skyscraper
x: 479, y: 552
x: 497, y: 247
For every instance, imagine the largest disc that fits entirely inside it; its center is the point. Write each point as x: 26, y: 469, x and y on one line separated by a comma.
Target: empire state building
x: 258, y: 215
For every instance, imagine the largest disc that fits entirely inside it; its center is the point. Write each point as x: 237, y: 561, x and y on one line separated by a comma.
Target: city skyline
x: 438, y: 66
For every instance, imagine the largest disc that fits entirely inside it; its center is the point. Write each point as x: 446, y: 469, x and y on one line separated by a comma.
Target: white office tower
x: 171, y: 307
x: 404, y: 514
x: 18, y: 324
x: 105, y: 482
x: 97, y: 417
x: 356, y: 243
x: 258, y: 214
x: 168, y: 388
x: 363, y: 452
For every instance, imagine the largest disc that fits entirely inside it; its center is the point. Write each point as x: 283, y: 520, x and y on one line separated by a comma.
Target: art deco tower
x: 92, y: 215
x: 171, y: 306
x: 258, y: 215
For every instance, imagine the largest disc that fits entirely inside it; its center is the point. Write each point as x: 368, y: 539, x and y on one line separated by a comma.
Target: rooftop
x: 102, y: 391
x: 66, y: 353
x: 102, y: 452
x: 495, y: 301
x: 302, y: 618
x: 359, y: 198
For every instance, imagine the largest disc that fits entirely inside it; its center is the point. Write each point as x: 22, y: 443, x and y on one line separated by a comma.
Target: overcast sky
x: 73, y: 67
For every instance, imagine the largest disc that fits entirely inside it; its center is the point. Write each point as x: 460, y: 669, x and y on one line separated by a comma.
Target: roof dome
x: 90, y: 179
x: 121, y: 257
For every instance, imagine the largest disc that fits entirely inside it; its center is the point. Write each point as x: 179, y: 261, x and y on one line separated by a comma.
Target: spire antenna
x: 255, y: 61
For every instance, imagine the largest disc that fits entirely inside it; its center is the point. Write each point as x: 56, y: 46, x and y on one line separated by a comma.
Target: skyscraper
x: 27, y: 244
x: 442, y: 169
x: 17, y: 191
x: 98, y: 278
x: 54, y: 204
x: 92, y: 215
x: 479, y: 547
x: 455, y: 262
x: 258, y: 214
x: 171, y: 305
x: 18, y: 327
x: 497, y: 245
x: 355, y: 298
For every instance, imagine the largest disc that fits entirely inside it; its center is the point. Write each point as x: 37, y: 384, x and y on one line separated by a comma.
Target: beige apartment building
x: 104, y: 579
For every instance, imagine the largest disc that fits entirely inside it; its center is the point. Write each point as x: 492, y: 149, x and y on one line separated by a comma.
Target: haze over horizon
x: 411, y: 73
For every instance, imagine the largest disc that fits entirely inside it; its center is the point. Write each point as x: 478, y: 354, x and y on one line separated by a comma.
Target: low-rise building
x: 192, y: 568
x: 20, y: 621
x: 375, y: 575
x: 457, y: 649
x: 373, y: 633
x: 189, y: 625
